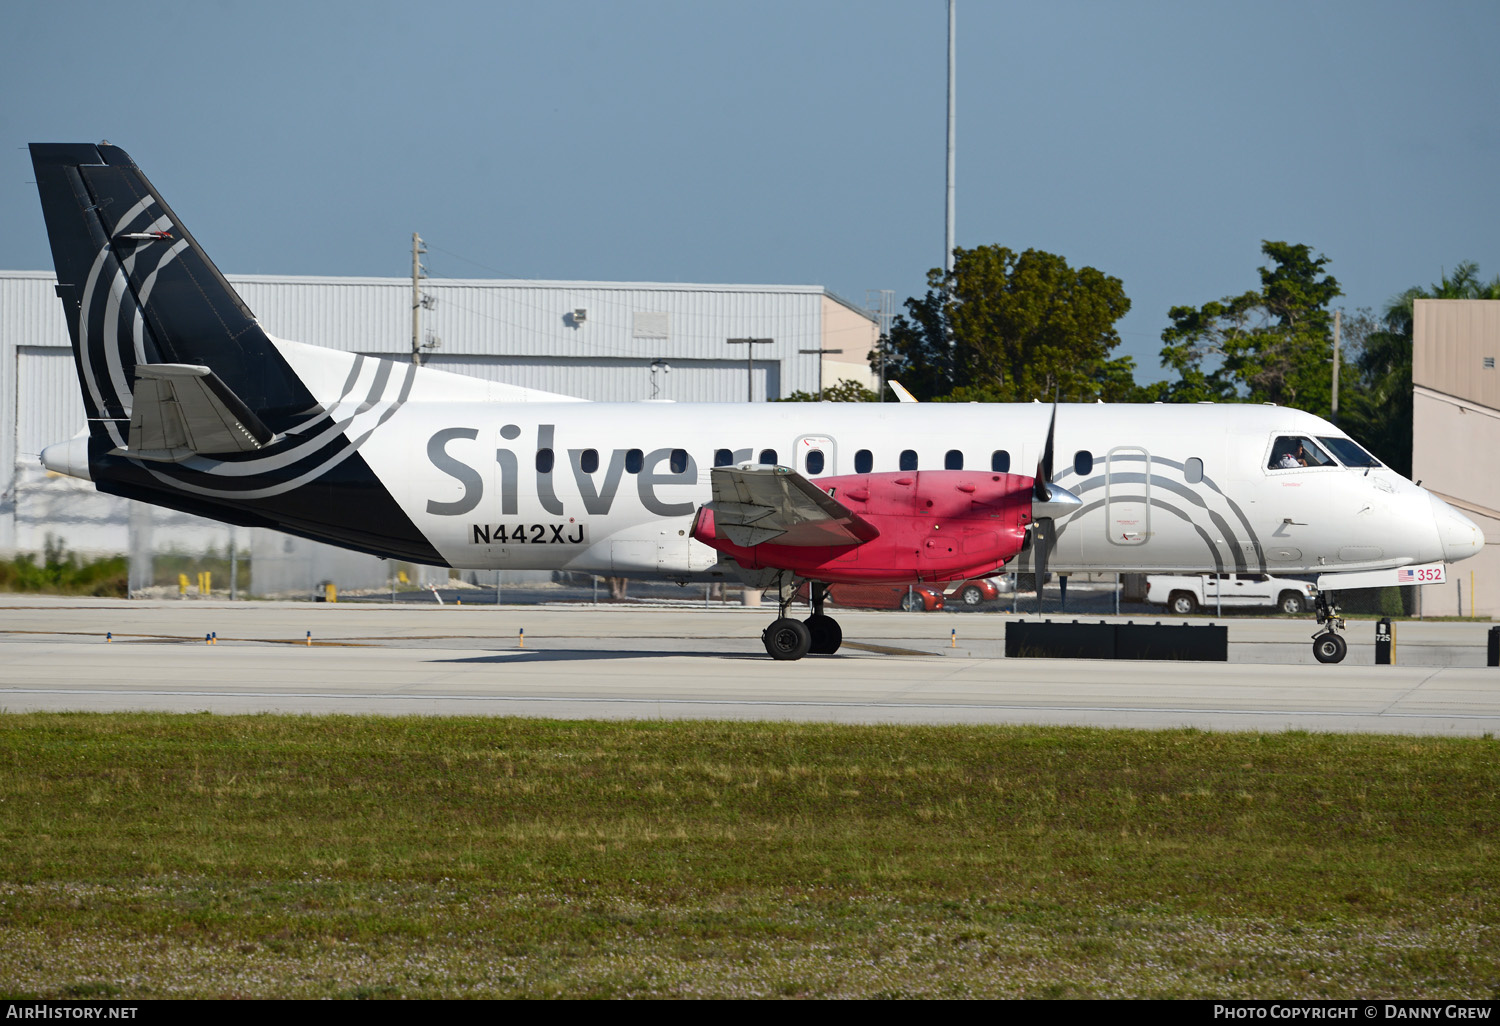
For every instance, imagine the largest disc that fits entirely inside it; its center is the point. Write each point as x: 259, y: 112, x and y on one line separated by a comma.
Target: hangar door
x: 48, y: 406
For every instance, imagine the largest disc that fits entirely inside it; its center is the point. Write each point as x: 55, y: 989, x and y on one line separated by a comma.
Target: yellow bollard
x: 401, y: 576
x: 954, y: 642
x: 330, y: 592
x: 207, y: 587
x: 182, y: 585
x: 521, y: 638
x: 309, y: 639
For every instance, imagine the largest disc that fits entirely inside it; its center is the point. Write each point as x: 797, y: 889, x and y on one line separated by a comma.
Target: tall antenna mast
x: 948, y: 249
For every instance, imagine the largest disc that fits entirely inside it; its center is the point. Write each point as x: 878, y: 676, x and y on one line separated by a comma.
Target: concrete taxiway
x: 691, y: 662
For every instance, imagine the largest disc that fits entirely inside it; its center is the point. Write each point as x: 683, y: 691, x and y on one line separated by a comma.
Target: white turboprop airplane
x: 193, y: 406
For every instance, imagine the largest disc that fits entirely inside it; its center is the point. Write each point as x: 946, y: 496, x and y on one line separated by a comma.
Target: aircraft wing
x: 755, y: 504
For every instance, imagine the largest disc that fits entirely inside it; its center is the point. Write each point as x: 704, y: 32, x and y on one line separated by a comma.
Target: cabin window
x: 588, y: 461
x: 1192, y: 470
x: 678, y: 461
x: 1291, y: 452
x: 1349, y: 453
x: 1083, y: 462
x: 544, y: 461
x: 814, y: 461
x: 908, y: 459
x: 768, y: 456
x: 723, y: 457
x: 1000, y: 461
x: 633, y: 461
x: 954, y: 460
x: 864, y: 461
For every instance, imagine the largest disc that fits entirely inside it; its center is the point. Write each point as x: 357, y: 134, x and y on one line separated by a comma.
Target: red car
x: 972, y: 593
x: 880, y: 596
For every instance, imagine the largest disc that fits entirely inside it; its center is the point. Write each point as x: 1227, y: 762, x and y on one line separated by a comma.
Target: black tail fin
x: 138, y: 288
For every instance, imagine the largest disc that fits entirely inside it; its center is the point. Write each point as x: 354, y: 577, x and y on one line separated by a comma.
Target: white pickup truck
x: 1183, y: 594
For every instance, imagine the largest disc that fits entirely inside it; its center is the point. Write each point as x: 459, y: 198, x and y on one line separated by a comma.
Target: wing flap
x: 753, y: 504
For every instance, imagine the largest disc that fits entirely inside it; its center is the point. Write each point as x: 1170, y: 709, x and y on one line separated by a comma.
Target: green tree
x: 1009, y: 327
x: 918, y: 351
x: 844, y: 391
x: 1272, y: 344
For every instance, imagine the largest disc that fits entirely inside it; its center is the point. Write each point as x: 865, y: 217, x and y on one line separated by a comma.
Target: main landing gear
x: 1329, y: 645
x: 788, y: 638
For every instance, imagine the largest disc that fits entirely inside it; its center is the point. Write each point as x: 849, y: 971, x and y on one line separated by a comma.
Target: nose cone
x: 1459, y: 535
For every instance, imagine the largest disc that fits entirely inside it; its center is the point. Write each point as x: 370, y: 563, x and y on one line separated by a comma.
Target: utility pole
x: 417, y: 249
x: 820, y: 353
x: 749, y: 344
x: 883, y: 308
x: 1338, y: 325
x: 948, y: 250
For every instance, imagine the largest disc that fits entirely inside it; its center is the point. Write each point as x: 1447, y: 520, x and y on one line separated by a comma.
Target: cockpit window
x: 1293, y: 451
x: 1349, y: 452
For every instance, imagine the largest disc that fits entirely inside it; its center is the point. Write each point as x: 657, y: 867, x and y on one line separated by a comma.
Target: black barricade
x: 1494, y: 659
x: 1049, y: 640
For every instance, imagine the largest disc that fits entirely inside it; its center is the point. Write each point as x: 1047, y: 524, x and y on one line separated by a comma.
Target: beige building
x: 1456, y: 437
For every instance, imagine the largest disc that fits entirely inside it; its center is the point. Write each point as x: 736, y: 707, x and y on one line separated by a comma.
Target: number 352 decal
x: 528, y: 534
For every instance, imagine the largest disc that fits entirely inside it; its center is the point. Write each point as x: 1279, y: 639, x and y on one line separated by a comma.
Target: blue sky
x: 782, y: 142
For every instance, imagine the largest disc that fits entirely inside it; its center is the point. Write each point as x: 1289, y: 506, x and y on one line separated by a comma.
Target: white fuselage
x: 611, y: 488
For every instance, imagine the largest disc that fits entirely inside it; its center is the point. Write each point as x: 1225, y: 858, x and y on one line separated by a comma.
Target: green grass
x: 152, y: 855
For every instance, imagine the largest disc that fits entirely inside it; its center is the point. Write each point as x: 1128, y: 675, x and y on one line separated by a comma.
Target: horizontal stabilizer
x: 753, y: 504
x: 1400, y: 577
x: 180, y: 410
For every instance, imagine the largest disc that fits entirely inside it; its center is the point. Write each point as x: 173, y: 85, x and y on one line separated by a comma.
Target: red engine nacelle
x: 935, y: 525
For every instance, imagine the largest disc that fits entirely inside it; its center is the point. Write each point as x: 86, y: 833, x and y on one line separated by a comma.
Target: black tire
x: 971, y: 595
x: 826, y: 634
x: 1181, y: 603
x: 786, y: 639
x: 1330, y: 648
x: 1291, y: 602
x: 912, y: 602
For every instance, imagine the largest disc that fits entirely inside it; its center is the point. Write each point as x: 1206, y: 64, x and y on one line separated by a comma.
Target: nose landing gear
x: 1329, y: 645
x: 788, y: 638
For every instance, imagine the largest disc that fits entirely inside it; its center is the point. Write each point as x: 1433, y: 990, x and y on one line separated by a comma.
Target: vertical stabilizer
x: 190, y: 404
x: 138, y: 288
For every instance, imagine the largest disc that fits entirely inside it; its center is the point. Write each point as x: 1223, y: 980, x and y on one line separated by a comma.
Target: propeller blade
x: 1042, y: 487
x: 1041, y: 547
x: 1048, y: 500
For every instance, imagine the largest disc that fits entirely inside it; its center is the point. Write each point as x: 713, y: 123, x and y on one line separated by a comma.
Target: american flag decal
x: 1406, y: 575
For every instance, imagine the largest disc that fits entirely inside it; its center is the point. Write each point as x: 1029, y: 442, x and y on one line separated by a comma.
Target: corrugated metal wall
x: 1455, y: 434
x: 1452, y: 338
x: 480, y: 317
x: 621, y: 380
